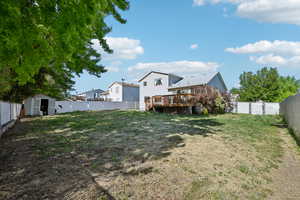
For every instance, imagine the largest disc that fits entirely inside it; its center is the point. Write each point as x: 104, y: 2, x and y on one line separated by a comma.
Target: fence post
x: 250, y: 108
x: 0, y: 116
x: 264, y: 108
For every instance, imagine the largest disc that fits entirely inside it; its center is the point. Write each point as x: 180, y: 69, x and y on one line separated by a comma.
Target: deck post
x: 190, y: 110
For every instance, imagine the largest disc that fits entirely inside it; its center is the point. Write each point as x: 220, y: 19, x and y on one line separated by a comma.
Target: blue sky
x: 190, y: 37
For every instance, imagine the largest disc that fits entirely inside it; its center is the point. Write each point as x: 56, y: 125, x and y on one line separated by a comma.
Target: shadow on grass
x: 283, y: 124
x: 293, y: 134
x: 107, y: 144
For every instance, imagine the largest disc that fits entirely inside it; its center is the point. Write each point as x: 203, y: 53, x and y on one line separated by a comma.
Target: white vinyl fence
x: 256, y: 108
x: 71, y: 106
x: 290, y: 110
x: 9, y: 113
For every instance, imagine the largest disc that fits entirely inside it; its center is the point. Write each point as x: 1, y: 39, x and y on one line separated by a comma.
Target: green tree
x: 266, y: 85
x: 43, y: 44
x: 289, y: 86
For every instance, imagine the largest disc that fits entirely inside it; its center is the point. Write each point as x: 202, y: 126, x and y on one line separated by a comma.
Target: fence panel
x: 71, y: 106
x: 290, y: 109
x: 243, y: 108
x: 5, y: 112
x: 256, y: 108
x: 272, y: 108
x: 9, y: 112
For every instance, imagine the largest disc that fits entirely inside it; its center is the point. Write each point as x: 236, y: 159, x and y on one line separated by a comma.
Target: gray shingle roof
x: 194, y: 80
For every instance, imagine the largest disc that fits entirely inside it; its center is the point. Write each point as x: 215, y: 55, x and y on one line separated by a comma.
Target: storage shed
x: 39, y: 105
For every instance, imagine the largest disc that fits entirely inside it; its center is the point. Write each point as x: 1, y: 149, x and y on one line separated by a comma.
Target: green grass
x: 118, y: 137
x: 85, y: 130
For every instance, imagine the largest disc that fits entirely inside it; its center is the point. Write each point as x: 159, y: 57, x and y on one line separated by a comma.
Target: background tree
x: 289, y: 86
x: 43, y: 44
x: 266, y: 85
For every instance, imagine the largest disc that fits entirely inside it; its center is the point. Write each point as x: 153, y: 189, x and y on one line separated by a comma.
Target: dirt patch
x: 26, y: 175
x: 286, y: 179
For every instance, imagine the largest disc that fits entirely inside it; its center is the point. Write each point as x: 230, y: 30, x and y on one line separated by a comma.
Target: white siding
x: 116, y: 94
x: 152, y: 90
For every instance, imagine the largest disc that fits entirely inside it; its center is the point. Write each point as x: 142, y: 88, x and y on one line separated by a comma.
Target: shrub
x: 205, y: 111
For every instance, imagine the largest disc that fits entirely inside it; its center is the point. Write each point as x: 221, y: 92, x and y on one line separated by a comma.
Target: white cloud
x: 274, y: 11
x: 112, y: 69
x: 281, y: 53
x: 264, y: 46
x: 114, y: 66
x: 199, y: 2
x: 269, y: 59
x: 182, y: 68
x: 124, y: 48
x: 194, y: 46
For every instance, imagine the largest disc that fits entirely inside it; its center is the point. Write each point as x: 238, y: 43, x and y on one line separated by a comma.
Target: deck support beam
x: 190, y: 109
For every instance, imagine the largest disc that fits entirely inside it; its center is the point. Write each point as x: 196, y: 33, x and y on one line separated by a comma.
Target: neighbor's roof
x: 158, y: 73
x: 195, y: 80
x: 94, y: 90
x: 104, y: 93
x: 124, y: 84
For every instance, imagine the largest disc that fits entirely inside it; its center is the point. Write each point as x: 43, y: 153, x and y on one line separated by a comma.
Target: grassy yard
x: 140, y: 155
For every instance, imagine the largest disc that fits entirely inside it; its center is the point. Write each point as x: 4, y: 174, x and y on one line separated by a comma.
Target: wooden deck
x: 177, y: 100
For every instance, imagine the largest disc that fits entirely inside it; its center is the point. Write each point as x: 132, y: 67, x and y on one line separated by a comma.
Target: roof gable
x: 124, y: 84
x: 194, y: 81
x: 151, y: 73
x: 221, y: 80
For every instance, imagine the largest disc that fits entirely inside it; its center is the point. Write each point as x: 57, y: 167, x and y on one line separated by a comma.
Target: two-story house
x: 91, y: 94
x: 156, y: 83
x: 163, y: 84
x: 121, y: 91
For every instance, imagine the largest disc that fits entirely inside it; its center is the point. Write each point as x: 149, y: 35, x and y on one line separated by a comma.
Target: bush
x: 205, y: 111
x: 212, y: 99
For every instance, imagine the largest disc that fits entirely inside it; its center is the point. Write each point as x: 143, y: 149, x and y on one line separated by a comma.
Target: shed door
x: 44, y: 106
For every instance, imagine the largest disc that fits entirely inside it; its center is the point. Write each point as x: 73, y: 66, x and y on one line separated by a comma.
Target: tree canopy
x: 266, y: 85
x: 43, y: 44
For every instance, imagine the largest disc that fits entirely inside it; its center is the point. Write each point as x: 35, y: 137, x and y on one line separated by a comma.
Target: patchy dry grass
x: 140, y: 155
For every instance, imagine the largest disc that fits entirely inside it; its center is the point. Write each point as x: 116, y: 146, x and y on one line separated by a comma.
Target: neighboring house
x: 39, y: 105
x: 160, y: 84
x: 155, y: 83
x: 121, y: 91
x: 91, y: 95
x: 104, y: 96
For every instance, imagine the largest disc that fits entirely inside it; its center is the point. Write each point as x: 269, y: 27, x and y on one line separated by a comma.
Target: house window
x: 147, y: 99
x: 145, y: 83
x: 158, y: 82
x: 117, y: 90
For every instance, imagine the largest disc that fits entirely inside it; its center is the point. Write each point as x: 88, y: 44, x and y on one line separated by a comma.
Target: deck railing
x: 172, y: 100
